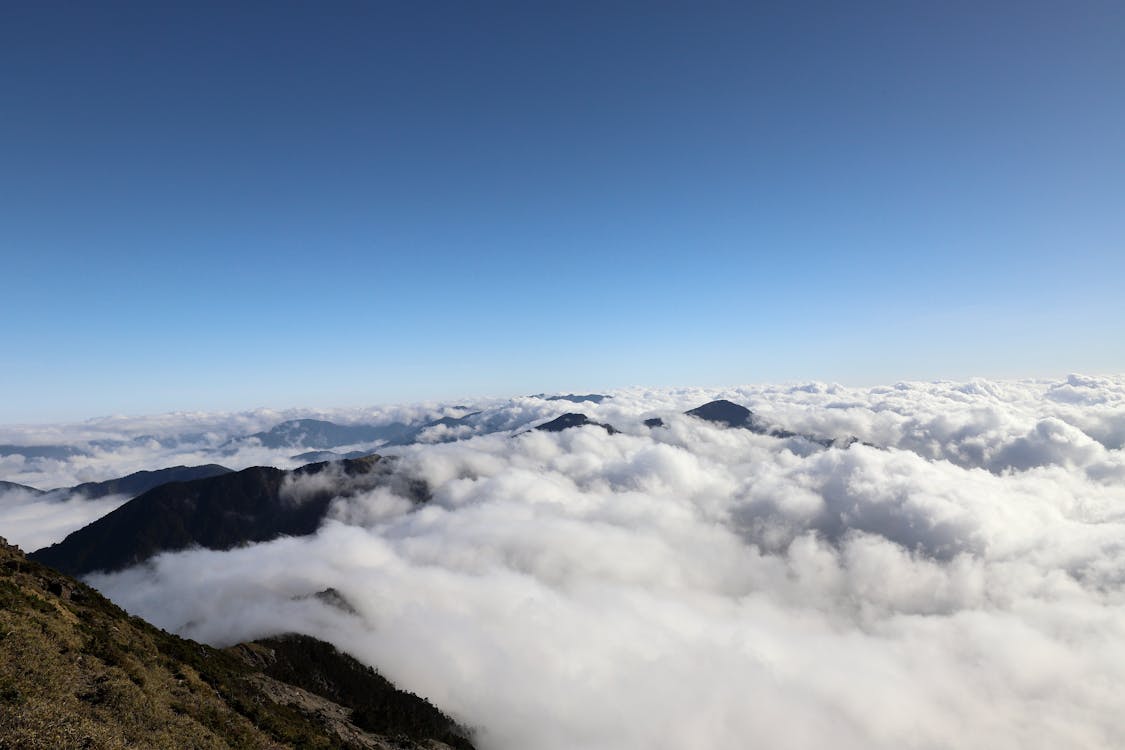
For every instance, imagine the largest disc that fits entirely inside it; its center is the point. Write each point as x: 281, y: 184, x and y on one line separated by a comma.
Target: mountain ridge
x: 76, y: 671
x: 219, y: 512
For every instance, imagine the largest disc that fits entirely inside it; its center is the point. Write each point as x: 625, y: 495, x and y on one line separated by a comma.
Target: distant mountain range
x: 42, y: 451
x: 12, y: 486
x: 76, y: 671
x: 63, y: 452
x: 316, y: 456
x: 131, y: 485
x: 210, y: 506
x: 323, y: 435
x: 720, y: 412
x: 318, y: 433
x: 312, y: 435
x: 595, y: 398
x: 143, y: 481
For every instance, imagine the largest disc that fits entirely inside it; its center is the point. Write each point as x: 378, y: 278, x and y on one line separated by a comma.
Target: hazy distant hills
x: 314, y: 439
x: 12, y: 486
x: 318, y: 433
x: 76, y: 671
x: 719, y: 412
x: 317, y: 456
x: 594, y: 398
x: 142, y: 481
x: 59, y: 452
x: 63, y: 452
x: 131, y: 485
x: 323, y: 435
x: 308, y: 435
x: 219, y: 512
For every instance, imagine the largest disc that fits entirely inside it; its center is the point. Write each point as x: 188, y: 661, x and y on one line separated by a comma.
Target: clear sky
x: 227, y: 205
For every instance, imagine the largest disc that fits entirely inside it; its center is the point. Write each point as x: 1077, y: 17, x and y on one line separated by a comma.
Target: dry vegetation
x: 78, y: 672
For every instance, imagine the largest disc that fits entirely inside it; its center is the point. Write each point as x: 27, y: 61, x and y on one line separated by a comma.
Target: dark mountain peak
x: 654, y: 422
x: 574, y: 419
x: 253, y: 505
x: 725, y: 413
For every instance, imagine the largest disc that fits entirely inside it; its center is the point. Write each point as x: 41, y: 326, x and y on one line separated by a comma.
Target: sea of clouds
x: 956, y: 579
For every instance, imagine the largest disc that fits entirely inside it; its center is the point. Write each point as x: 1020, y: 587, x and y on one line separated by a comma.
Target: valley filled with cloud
x: 917, y: 565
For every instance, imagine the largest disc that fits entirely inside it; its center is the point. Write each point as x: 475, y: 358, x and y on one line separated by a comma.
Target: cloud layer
x: 31, y: 520
x: 958, y: 582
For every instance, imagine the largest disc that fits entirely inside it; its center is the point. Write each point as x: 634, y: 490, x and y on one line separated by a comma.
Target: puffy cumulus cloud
x: 33, y: 520
x: 960, y: 582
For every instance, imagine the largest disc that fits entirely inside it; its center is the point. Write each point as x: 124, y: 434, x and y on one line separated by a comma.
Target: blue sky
x: 229, y: 205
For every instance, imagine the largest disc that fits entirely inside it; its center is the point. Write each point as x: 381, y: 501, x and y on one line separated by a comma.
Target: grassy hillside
x: 76, y: 671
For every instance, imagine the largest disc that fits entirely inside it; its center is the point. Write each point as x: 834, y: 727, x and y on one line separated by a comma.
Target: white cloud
x: 960, y: 585
x: 32, y: 521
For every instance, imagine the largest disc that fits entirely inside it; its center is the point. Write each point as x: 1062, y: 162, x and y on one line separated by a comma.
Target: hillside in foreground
x: 76, y: 671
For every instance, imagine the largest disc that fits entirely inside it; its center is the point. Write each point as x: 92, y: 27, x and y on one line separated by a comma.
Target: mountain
x: 142, y: 481
x: 317, y: 456
x: 322, y: 436
x: 411, y: 435
x: 726, y: 413
x: 573, y: 419
x: 318, y: 433
x: 12, y: 486
x: 730, y: 414
x: 42, y: 451
x: 76, y: 671
x: 595, y: 398
x: 254, y: 505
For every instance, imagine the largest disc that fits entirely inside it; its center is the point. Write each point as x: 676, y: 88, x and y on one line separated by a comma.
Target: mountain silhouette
x: 726, y: 413
x: 12, y: 486
x: 318, y: 433
x: 574, y: 419
x: 142, y: 481
x: 221, y: 512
